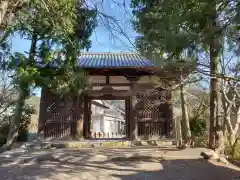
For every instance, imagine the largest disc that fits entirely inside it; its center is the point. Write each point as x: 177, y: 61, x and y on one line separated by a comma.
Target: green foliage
x: 162, y: 38
x: 24, y: 124
x: 198, y: 127
x: 236, y: 150
x: 189, y: 28
x: 201, y: 141
x: 58, y: 31
x: 174, y: 27
x: 4, y: 128
x: 233, y: 151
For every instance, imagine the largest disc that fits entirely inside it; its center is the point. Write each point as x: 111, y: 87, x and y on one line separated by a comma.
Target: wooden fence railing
x: 106, y: 135
x: 58, y: 129
x: 59, y: 125
x: 151, y: 128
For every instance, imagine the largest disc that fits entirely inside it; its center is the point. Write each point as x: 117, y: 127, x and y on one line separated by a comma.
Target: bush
x: 24, y: 124
x: 4, y: 128
x: 198, y: 127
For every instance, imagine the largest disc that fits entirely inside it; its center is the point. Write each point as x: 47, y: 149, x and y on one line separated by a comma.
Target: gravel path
x: 112, y: 164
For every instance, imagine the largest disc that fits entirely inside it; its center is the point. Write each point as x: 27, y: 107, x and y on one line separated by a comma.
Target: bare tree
x: 7, y: 92
x: 231, y: 107
x: 115, y: 18
x: 230, y: 88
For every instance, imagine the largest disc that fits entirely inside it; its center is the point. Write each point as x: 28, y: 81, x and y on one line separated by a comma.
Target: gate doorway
x: 106, y: 117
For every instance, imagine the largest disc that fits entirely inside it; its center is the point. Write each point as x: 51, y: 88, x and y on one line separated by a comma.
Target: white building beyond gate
x: 107, y: 120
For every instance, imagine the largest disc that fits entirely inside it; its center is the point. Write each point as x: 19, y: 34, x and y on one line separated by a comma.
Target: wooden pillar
x: 132, y: 124
x: 127, y: 118
x: 134, y: 121
x: 86, y: 117
x: 178, y: 133
x: 169, y: 118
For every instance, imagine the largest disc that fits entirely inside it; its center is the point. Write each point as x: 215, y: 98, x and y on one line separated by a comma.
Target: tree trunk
x: 185, y: 119
x: 233, y: 131
x: 220, y: 138
x: 213, y: 97
x: 15, y: 124
x: 178, y: 131
x: 214, y: 46
x: 225, y: 118
x: 133, y: 119
x: 23, y: 93
x: 232, y: 138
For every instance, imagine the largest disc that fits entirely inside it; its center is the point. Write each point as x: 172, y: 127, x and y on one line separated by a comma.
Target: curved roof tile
x: 113, y: 60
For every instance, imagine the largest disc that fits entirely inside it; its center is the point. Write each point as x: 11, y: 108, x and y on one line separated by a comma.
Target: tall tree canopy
x: 176, y: 27
x: 173, y: 26
x: 57, y: 33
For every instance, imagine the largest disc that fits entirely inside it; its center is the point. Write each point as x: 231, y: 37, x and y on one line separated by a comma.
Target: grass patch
x: 78, y: 145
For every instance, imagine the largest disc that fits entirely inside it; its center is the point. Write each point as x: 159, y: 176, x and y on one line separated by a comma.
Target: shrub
x: 197, y: 126
x: 24, y: 124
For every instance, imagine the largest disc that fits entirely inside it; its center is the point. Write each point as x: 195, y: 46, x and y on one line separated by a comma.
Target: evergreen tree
x: 57, y: 35
x: 176, y: 27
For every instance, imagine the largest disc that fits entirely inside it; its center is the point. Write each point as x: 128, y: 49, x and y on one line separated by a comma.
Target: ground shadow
x: 186, y: 169
x: 85, y: 164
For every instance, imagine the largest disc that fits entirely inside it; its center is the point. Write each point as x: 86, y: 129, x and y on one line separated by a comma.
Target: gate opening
x: 108, y: 119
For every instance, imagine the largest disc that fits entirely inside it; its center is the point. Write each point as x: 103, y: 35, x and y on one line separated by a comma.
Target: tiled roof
x: 113, y: 60
x: 106, y: 60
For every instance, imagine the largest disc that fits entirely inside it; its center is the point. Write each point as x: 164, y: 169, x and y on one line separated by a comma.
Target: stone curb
x: 111, y: 144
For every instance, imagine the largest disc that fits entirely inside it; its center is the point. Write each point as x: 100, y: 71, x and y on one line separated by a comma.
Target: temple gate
x: 112, y: 76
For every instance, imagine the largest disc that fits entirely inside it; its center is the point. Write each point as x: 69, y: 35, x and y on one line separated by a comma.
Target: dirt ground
x: 152, y: 163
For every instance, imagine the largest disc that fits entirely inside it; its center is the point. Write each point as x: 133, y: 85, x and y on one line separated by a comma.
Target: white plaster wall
x: 97, y: 118
x: 105, y: 121
x: 108, y: 126
x: 122, y: 79
x: 111, y: 124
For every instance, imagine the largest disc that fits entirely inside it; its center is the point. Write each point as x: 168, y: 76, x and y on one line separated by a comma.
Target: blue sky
x: 110, y: 36
x: 104, y: 38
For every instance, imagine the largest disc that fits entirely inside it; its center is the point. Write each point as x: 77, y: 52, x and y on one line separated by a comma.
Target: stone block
x: 152, y: 143
x: 209, y: 154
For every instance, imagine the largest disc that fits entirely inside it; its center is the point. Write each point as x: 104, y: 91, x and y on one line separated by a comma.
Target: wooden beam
x: 108, y: 97
x: 107, y: 79
x: 120, y: 71
x: 97, y: 94
x: 110, y: 84
x: 150, y: 85
x: 131, y: 78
